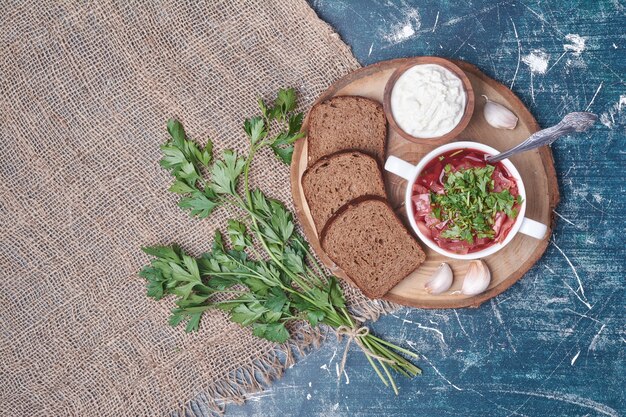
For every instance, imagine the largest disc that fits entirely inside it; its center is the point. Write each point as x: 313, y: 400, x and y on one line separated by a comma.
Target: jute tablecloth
x: 86, y: 90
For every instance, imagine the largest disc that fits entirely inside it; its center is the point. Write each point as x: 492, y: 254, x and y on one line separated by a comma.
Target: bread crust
x: 417, y: 259
x: 310, y: 198
x: 379, y: 152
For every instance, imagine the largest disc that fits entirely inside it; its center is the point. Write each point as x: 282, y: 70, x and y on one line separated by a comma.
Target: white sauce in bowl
x: 428, y: 101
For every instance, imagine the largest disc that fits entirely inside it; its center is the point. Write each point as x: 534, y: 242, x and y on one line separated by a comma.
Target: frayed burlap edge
x: 258, y: 375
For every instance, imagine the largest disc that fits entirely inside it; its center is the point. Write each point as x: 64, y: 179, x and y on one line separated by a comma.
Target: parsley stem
x: 232, y: 274
x: 391, y: 354
x: 232, y: 292
x: 347, y: 315
x: 380, y: 375
x: 313, y: 261
x: 198, y: 309
x: 393, y: 383
x: 385, y: 380
x: 398, y: 348
x: 311, y: 258
x: 255, y: 218
x: 256, y: 274
x: 250, y: 209
x: 278, y: 281
x: 313, y: 276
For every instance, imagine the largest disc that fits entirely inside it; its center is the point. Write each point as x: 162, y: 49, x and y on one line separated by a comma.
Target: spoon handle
x: 572, y: 122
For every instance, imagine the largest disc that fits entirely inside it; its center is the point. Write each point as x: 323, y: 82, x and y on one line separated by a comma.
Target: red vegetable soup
x: 463, y: 203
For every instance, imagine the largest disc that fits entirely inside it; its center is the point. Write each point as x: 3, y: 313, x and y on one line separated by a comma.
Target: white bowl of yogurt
x: 428, y: 100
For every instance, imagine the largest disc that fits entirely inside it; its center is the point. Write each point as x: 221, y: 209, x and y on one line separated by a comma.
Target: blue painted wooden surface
x: 554, y: 344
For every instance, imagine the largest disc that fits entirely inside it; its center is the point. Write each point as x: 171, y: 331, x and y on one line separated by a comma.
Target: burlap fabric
x: 86, y: 90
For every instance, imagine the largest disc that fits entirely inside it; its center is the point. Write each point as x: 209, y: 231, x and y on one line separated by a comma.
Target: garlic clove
x: 499, y: 116
x: 440, y: 281
x: 477, y: 278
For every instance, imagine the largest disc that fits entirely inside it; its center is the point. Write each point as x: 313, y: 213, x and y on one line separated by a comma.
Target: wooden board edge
x: 545, y: 154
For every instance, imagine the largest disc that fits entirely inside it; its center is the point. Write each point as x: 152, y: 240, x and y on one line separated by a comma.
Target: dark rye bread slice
x: 346, y: 122
x: 337, y: 179
x: 367, y: 241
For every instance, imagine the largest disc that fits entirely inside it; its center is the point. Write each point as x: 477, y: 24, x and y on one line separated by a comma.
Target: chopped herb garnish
x: 469, y: 203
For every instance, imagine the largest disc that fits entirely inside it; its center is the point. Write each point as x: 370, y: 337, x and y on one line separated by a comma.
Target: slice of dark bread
x: 368, y: 241
x: 337, y: 179
x: 346, y: 122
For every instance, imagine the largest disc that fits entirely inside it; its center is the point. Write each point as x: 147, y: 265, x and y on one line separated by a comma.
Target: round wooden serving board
x: 536, y: 167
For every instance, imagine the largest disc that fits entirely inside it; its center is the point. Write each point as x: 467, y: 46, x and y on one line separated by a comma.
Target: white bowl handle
x: 533, y: 228
x: 399, y: 167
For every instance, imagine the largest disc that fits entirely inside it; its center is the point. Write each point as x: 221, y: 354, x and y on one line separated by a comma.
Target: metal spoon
x: 572, y: 122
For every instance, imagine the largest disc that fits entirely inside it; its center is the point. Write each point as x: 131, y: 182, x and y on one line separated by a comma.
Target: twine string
x: 356, y: 334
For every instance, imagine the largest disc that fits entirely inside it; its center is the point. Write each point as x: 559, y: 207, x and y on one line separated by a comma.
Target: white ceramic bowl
x: 410, y: 173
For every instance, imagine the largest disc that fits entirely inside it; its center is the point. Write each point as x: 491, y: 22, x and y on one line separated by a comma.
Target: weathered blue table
x: 554, y: 344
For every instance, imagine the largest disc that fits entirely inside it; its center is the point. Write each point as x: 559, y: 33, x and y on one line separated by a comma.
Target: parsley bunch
x: 469, y: 203
x: 267, y: 288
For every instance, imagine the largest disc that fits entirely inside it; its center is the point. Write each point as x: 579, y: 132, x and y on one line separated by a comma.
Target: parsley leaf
x: 255, y: 129
x: 226, y: 172
x: 315, y: 316
x: 180, y: 149
x: 284, y: 153
x: 238, y: 236
x: 181, y: 187
x: 274, y: 332
x: 246, y: 314
x: 176, y: 131
x: 198, y: 204
x: 173, y: 157
x: 286, y: 100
